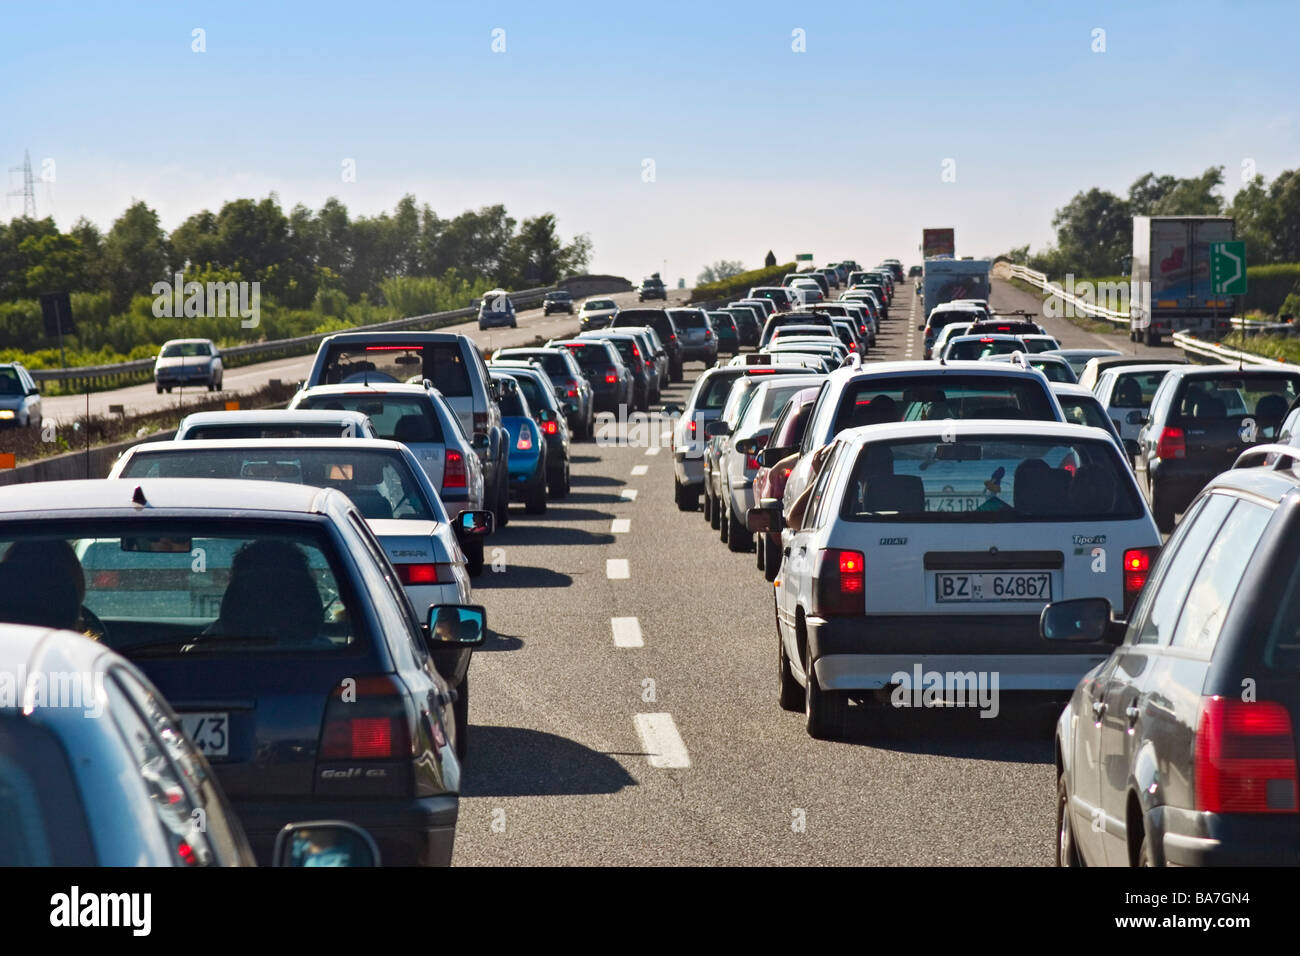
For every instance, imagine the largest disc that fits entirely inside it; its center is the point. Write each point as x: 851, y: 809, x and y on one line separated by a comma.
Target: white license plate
x: 981, y: 586
x: 210, y: 732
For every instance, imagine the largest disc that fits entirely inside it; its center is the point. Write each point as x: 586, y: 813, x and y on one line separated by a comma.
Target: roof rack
x: 1287, y: 456
x: 1018, y: 358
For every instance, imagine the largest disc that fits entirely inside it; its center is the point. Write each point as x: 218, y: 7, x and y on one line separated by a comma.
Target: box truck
x: 1171, y: 290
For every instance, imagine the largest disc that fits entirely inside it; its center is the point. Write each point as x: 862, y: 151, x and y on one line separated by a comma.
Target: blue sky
x: 837, y: 150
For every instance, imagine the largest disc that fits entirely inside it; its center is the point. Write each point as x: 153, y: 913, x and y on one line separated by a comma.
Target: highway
x: 671, y: 749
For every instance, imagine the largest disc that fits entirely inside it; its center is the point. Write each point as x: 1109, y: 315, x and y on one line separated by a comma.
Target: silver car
x: 183, y: 362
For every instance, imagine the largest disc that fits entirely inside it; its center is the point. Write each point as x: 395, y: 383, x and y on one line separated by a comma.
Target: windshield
x: 533, y: 392
x: 551, y: 360
x: 969, y: 349
x: 1230, y: 400
x: 10, y: 383
x: 593, y: 304
x: 591, y: 357
x: 916, y: 398
x: 1136, y: 389
x: 981, y: 479
x: 1082, y: 410
x: 440, y: 362
x: 208, y: 586
x: 689, y: 319
x: 404, y: 418
x: 379, y: 483
x: 185, y: 349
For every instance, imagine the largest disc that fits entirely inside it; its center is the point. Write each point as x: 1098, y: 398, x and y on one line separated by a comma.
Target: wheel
x: 790, y: 695
x: 1144, y: 853
x: 707, y: 508
x: 460, y: 712
x: 760, y: 555
x: 535, y: 504
x: 771, y: 557
x: 826, y: 711
x: 1067, y: 852
x: 724, y: 523
x: 502, y: 508
x: 677, y: 373
x: 1162, y: 512
x: 557, y: 482
x: 159, y: 389
x: 474, y: 558
x: 1152, y: 336
x: 686, y: 500
x: 739, y: 538
x: 169, y: 389
x: 715, y: 513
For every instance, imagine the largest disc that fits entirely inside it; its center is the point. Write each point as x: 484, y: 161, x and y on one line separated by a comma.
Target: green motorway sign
x: 803, y: 257
x: 1228, y: 268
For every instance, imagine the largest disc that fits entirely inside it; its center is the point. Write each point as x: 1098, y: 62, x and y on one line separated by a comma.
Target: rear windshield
x: 1055, y: 371
x: 194, y: 586
x: 1264, y: 398
x: 187, y: 349
x: 722, y: 321
x: 379, y: 483
x: 1082, y: 410
x: 533, y: 393
x: 1041, y: 345
x: 774, y: 399
x: 274, y: 430
x: 716, y: 388
x: 876, y: 400
x: 551, y: 360
x: 404, y: 418
x: 1136, y: 389
x: 512, y: 403
x: 590, y: 356
x: 440, y: 362
x: 980, y: 479
x: 939, y: 319
x: 652, y: 317
x: 977, y: 349
x: 690, y: 320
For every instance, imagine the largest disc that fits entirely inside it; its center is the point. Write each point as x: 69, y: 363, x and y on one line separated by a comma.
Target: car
x: 777, y: 294
x: 804, y: 318
x: 497, y: 309
x: 850, y: 337
x: 419, y: 417
x: 558, y: 301
x: 652, y: 288
x: 748, y: 319
x: 611, y: 380
x: 451, y: 362
x: 1054, y: 367
x: 828, y: 347
x: 779, y: 358
x: 527, y: 446
x: 570, y: 384
x: 832, y: 277
x: 931, y: 548
x: 650, y: 350
x: 1078, y: 358
x: 806, y: 292
x: 1043, y: 343
x: 1094, y: 367
x: 946, y: 334
x: 765, y: 306
x: 883, y: 297
x: 736, y: 461
x: 775, y: 462
x: 793, y: 279
x: 856, y: 315
x: 183, y: 362
x: 814, y: 329
x: 972, y: 347
x: 883, y: 392
x: 915, y: 272
x: 725, y: 331
x: 1125, y: 392
x: 1082, y: 408
x: 942, y: 315
x: 20, y: 398
x: 276, y: 423
x: 549, y: 413
x: 998, y: 325
x: 269, y: 616
x: 1180, y: 748
x: 596, y: 314
x: 644, y: 378
x: 1201, y: 419
x: 662, y: 322
x: 697, y: 335
x: 896, y: 267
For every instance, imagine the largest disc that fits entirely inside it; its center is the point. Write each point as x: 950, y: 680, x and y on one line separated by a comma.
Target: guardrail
x: 1039, y: 280
x: 279, y: 347
x: 1193, y: 345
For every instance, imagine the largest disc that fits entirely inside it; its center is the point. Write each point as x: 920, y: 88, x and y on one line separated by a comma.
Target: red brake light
x: 1137, y: 568
x: 840, y: 583
x: 751, y: 461
x: 1172, y: 444
x: 365, y: 720
x: 572, y: 386
x: 550, y: 428
x: 453, y: 471
x: 690, y: 427
x: 985, y: 339
x: 611, y: 376
x: 525, y: 440
x: 1245, y: 758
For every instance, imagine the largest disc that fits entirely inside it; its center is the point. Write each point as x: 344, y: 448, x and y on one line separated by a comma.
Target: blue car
x: 527, y: 449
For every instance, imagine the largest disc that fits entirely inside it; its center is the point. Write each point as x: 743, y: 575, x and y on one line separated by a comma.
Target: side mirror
x: 746, y: 446
x: 461, y: 624
x: 920, y: 328
x: 324, y: 843
x: 766, y: 517
x: 475, y: 524
x: 770, y: 456
x: 33, y: 391
x: 1136, y: 417
x: 716, y: 428
x: 480, y: 441
x: 1083, y: 620
x: 674, y: 408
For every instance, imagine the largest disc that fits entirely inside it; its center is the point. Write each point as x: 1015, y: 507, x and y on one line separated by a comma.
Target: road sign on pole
x: 803, y: 257
x: 1228, y: 268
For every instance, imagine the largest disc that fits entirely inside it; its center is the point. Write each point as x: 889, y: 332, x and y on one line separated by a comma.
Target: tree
x: 722, y: 269
x: 770, y: 260
x: 136, y: 254
x: 1147, y: 192
x: 1194, y: 196
x: 58, y: 263
x: 1093, y: 232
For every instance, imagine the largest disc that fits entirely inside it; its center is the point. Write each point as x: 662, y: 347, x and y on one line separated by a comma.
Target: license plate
x: 210, y: 732
x: 979, y: 586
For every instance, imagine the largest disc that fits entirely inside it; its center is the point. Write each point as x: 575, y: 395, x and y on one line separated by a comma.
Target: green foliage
x: 720, y: 270
x: 740, y: 283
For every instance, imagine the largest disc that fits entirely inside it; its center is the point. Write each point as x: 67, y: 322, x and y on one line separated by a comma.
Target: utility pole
x: 28, y: 192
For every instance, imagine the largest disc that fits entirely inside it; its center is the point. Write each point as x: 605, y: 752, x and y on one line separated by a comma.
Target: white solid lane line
x: 627, y: 632
x: 620, y: 526
x: 616, y: 569
x: 661, y: 741
x: 628, y: 494
x: 639, y: 470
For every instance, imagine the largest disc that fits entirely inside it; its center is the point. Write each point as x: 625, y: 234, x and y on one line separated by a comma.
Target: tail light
x: 1137, y: 568
x: 525, y: 440
x: 690, y: 427
x: 707, y: 335
x: 480, y: 421
x: 410, y: 574
x: 366, y: 721
x: 572, y: 386
x: 840, y: 582
x: 1245, y: 757
x: 611, y: 376
x: 751, y: 461
x: 1172, y: 444
x: 453, y: 471
x: 550, y: 428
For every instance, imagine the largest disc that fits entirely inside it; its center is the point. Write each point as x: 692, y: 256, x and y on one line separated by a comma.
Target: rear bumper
x: 1000, y: 672
x: 1192, y: 838
x: 415, y: 832
x: 708, y: 353
x: 689, y: 471
x: 1178, y: 482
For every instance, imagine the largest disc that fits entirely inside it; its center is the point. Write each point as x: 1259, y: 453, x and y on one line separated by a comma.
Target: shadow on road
x: 499, y: 642
x: 590, y: 498
x: 1021, y: 733
x: 520, y: 576
x: 578, y: 480
x: 513, y: 762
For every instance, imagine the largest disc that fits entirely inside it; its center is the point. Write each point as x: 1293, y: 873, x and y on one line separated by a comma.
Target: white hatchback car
x: 930, y: 548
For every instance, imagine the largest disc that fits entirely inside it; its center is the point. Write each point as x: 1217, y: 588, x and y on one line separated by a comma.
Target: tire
x: 715, y: 513
x: 686, y: 500
x: 826, y: 712
x: 503, y: 497
x: 772, y: 559
x: 1144, y: 853
x: 158, y: 388
x: 460, y: 712
x: 1162, y: 512
x: 789, y: 694
x: 535, y: 504
x: 707, y: 509
x: 1067, y: 851
x: 677, y: 373
x: 1152, y: 337
x: 720, y: 510
x: 474, y: 558
x: 739, y: 538
x: 760, y: 555
x: 557, y: 484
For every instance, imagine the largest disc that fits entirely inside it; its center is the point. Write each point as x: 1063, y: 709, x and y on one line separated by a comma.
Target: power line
x: 28, y: 192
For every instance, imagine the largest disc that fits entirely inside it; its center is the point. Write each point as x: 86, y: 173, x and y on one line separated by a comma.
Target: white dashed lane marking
x: 639, y: 470
x: 652, y: 450
x: 616, y: 569
x: 662, y: 743
x: 628, y: 494
x: 620, y: 526
x: 627, y: 632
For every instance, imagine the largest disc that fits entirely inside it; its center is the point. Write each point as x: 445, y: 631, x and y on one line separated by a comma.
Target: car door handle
x: 1098, y: 707
x: 786, y: 552
x: 1132, y: 713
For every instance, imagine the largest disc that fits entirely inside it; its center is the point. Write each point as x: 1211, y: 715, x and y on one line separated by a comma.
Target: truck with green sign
x: 1176, y: 260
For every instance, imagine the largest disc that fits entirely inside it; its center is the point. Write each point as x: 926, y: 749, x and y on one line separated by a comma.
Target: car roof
x: 259, y: 415
x: 377, y: 388
x: 986, y: 337
x: 1137, y: 369
x: 397, y: 338
x: 199, y: 444
x: 1112, y: 361
x: 1072, y: 388
x: 1265, y: 481
x: 187, y: 341
x: 165, y: 495
x: 1230, y: 371
x: 1029, y: 357
x: 43, y: 650
x: 922, y: 369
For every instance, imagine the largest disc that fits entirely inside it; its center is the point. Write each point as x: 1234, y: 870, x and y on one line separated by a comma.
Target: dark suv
x: 652, y: 288
x: 1201, y: 419
x: 664, y: 326
x: 1181, y: 748
x: 699, y: 341
x: 557, y: 302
